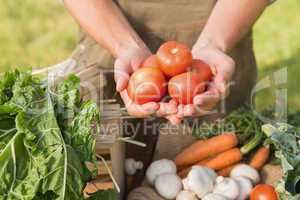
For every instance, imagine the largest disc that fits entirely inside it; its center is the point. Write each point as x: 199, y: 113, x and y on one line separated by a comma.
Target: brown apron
x: 157, y: 21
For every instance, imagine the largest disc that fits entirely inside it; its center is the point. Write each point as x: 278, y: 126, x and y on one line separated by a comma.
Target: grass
x: 34, y: 33
x: 277, y: 46
x: 41, y: 33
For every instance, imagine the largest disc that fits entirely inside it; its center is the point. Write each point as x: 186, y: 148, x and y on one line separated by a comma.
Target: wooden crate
x: 111, y: 149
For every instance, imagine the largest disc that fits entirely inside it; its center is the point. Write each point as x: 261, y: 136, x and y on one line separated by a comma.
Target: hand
x: 129, y: 61
x: 223, y: 68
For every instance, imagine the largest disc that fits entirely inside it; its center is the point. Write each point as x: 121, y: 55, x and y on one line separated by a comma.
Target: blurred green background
x: 41, y: 33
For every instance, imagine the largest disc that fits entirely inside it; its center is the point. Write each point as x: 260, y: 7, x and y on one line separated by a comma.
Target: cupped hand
x: 223, y: 68
x: 129, y: 61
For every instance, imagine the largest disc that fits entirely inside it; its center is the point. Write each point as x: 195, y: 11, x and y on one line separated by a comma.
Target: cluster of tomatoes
x: 171, y: 69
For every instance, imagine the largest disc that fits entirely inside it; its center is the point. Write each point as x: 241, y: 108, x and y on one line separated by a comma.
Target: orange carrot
x: 206, y: 148
x: 218, y: 162
x: 260, y: 158
x: 225, y: 159
x: 226, y: 171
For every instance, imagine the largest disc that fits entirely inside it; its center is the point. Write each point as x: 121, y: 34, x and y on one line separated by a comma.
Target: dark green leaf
x: 67, y: 101
x: 104, y: 195
x: 45, y: 139
x: 84, y: 126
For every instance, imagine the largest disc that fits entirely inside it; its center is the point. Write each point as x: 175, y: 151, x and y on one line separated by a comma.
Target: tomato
x: 263, y: 192
x: 182, y: 88
x: 147, y: 85
x: 174, y: 58
x: 202, y: 69
x: 151, y: 61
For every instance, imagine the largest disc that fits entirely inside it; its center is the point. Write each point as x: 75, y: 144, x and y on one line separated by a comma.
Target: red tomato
x: 182, y: 88
x: 174, y: 58
x: 263, y: 192
x: 202, y: 69
x: 152, y: 61
x: 147, y: 85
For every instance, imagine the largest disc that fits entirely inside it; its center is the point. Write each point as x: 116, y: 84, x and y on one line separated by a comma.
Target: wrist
x: 210, y: 42
x: 131, y: 46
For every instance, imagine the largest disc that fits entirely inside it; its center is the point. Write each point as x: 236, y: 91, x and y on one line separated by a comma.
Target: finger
x: 173, y: 119
x: 142, y: 110
x: 211, y: 95
x: 148, y: 108
x: 121, y: 74
x: 173, y: 102
x: 166, y: 109
x: 136, y: 63
x: 189, y: 110
x: 122, y: 84
x: 221, y: 85
x: 206, y: 101
x: 219, y: 62
x: 180, y: 111
x: 138, y: 110
x: 225, y: 67
x: 138, y: 58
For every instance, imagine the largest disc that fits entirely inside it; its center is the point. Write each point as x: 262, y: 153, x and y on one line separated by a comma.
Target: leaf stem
x: 268, y: 129
x: 254, y: 142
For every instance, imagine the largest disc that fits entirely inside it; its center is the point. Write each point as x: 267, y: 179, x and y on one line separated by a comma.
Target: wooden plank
x: 97, y: 185
x: 118, y: 161
x: 102, y: 151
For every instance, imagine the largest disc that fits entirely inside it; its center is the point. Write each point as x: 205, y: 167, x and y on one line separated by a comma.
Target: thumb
x: 136, y: 63
x: 121, y: 74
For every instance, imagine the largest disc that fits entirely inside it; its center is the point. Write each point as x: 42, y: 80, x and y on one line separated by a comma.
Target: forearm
x: 104, y: 21
x: 229, y: 22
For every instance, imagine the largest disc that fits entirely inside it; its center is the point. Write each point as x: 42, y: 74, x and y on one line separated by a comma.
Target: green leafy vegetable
x: 45, y: 139
x: 104, y: 195
x: 67, y: 101
x: 286, y: 138
x: 241, y: 121
x: 6, y: 85
x: 81, y: 129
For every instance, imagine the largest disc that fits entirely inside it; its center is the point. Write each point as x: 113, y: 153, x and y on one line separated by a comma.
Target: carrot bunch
x: 221, y: 153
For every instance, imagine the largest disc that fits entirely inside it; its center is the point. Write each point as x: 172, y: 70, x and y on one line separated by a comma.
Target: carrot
x: 260, y: 158
x: 218, y: 162
x: 225, y: 159
x: 205, y: 148
x: 226, y: 171
x: 235, y: 155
